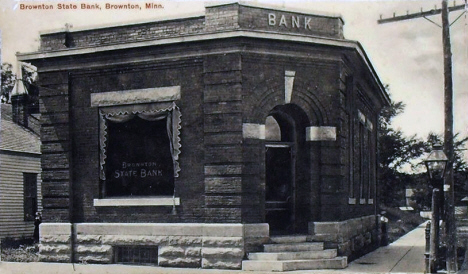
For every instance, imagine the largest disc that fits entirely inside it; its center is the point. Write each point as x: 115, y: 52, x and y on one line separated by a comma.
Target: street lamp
x: 436, y: 163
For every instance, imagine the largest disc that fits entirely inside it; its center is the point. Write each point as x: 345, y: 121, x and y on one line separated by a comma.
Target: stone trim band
x: 136, y: 96
x: 159, y: 201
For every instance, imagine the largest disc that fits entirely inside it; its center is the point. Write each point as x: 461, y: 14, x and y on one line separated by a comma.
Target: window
x: 362, y: 162
x: 139, y: 150
x: 349, y: 82
x: 30, y: 195
x: 365, y: 160
x: 139, y: 146
x: 138, y: 255
x: 272, y: 129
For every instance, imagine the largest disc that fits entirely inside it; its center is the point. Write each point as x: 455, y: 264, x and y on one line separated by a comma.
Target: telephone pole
x: 448, y: 132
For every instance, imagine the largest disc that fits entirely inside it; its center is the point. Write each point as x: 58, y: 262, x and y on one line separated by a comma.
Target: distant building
x: 20, y: 172
x: 193, y: 142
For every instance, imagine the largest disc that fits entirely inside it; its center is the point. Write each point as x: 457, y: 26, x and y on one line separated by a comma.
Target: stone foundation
x: 350, y: 237
x: 220, y: 246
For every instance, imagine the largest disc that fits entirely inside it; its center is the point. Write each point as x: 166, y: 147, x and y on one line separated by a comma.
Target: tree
x: 29, y: 78
x: 7, y: 82
x: 401, y: 159
x: 396, y: 151
x: 422, y: 191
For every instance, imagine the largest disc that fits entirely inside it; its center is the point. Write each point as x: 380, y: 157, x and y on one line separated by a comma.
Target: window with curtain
x: 140, y: 146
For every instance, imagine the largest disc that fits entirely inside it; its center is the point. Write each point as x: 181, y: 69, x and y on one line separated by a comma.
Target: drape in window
x: 149, y: 112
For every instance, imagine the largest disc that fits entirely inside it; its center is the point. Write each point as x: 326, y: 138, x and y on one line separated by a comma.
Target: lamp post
x: 435, y: 164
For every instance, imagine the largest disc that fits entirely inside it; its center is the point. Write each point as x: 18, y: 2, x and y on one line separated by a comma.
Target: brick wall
x: 222, y: 17
x: 55, y: 137
x: 223, y: 138
x: 356, y: 95
x: 189, y: 186
x: 217, y: 18
x: 122, y: 34
x: 321, y: 193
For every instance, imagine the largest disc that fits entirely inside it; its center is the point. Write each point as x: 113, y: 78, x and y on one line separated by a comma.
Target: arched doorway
x: 285, y: 169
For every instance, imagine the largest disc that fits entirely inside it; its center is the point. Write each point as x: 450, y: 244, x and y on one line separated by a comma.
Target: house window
x: 30, y: 195
x: 139, y: 150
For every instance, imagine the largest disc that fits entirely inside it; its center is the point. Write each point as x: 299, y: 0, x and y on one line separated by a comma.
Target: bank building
x: 243, y: 138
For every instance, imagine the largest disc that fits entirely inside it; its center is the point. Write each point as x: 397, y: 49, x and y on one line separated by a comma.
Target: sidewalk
x: 403, y: 256
x: 406, y: 255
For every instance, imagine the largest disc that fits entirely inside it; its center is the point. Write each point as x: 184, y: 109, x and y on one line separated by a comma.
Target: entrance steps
x: 288, y: 253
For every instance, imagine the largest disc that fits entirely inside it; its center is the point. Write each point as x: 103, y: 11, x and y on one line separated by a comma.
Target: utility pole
x: 448, y: 144
x: 448, y: 132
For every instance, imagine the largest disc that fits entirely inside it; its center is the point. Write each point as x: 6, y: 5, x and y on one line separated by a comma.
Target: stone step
x: 304, y: 255
x: 462, y: 222
x: 288, y: 239
x: 290, y: 265
x: 293, y: 247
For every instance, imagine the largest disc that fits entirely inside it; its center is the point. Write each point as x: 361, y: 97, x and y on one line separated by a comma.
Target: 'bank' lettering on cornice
x: 289, y: 21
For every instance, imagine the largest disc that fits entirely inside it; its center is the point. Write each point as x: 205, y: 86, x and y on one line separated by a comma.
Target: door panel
x: 279, y: 189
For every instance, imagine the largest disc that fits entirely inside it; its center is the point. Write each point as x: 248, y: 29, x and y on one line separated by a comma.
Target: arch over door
x: 285, y: 146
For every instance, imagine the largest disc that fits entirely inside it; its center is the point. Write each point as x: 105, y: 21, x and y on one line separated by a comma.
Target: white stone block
x: 256, y: 230
x: 223, y: 241
x: 321, y: 133
x: 221, y: 264
x: 56, y: 258
x: 59, y: 248
x: 179, y: 262
x: 253, y: 131
x: 288, y: 85
x: 90, y: 239
x: 171, y: 251
x: 55, y: 229
x: 84, y: 259
x: 222, y: 252
x: 93, y: 248
x: 223, y: 230
x: 55, y: 239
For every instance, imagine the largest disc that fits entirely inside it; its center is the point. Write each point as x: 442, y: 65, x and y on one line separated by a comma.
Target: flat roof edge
x: 219, y: 35
x: 125, y: 24
x: 187, y: 38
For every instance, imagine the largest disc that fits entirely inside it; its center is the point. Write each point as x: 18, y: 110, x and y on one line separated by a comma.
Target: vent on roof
x: 138, y: 255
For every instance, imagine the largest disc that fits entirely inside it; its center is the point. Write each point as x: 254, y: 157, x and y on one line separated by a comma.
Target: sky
x: 407, y: 55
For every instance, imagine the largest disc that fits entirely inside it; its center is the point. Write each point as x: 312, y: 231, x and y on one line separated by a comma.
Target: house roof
x: 14, y: 137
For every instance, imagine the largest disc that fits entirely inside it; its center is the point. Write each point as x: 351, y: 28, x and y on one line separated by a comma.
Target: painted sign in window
x: 139, y: 160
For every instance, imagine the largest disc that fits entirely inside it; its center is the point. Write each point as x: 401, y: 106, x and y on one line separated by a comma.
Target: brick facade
x: 230, y: 65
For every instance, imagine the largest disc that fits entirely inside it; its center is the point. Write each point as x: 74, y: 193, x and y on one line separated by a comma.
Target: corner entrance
x: 287, y: 187
x: 279, y: 195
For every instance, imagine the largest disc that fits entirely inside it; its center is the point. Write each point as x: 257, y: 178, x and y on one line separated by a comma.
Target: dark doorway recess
x: 287, y: 169
x: 279, y: 188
